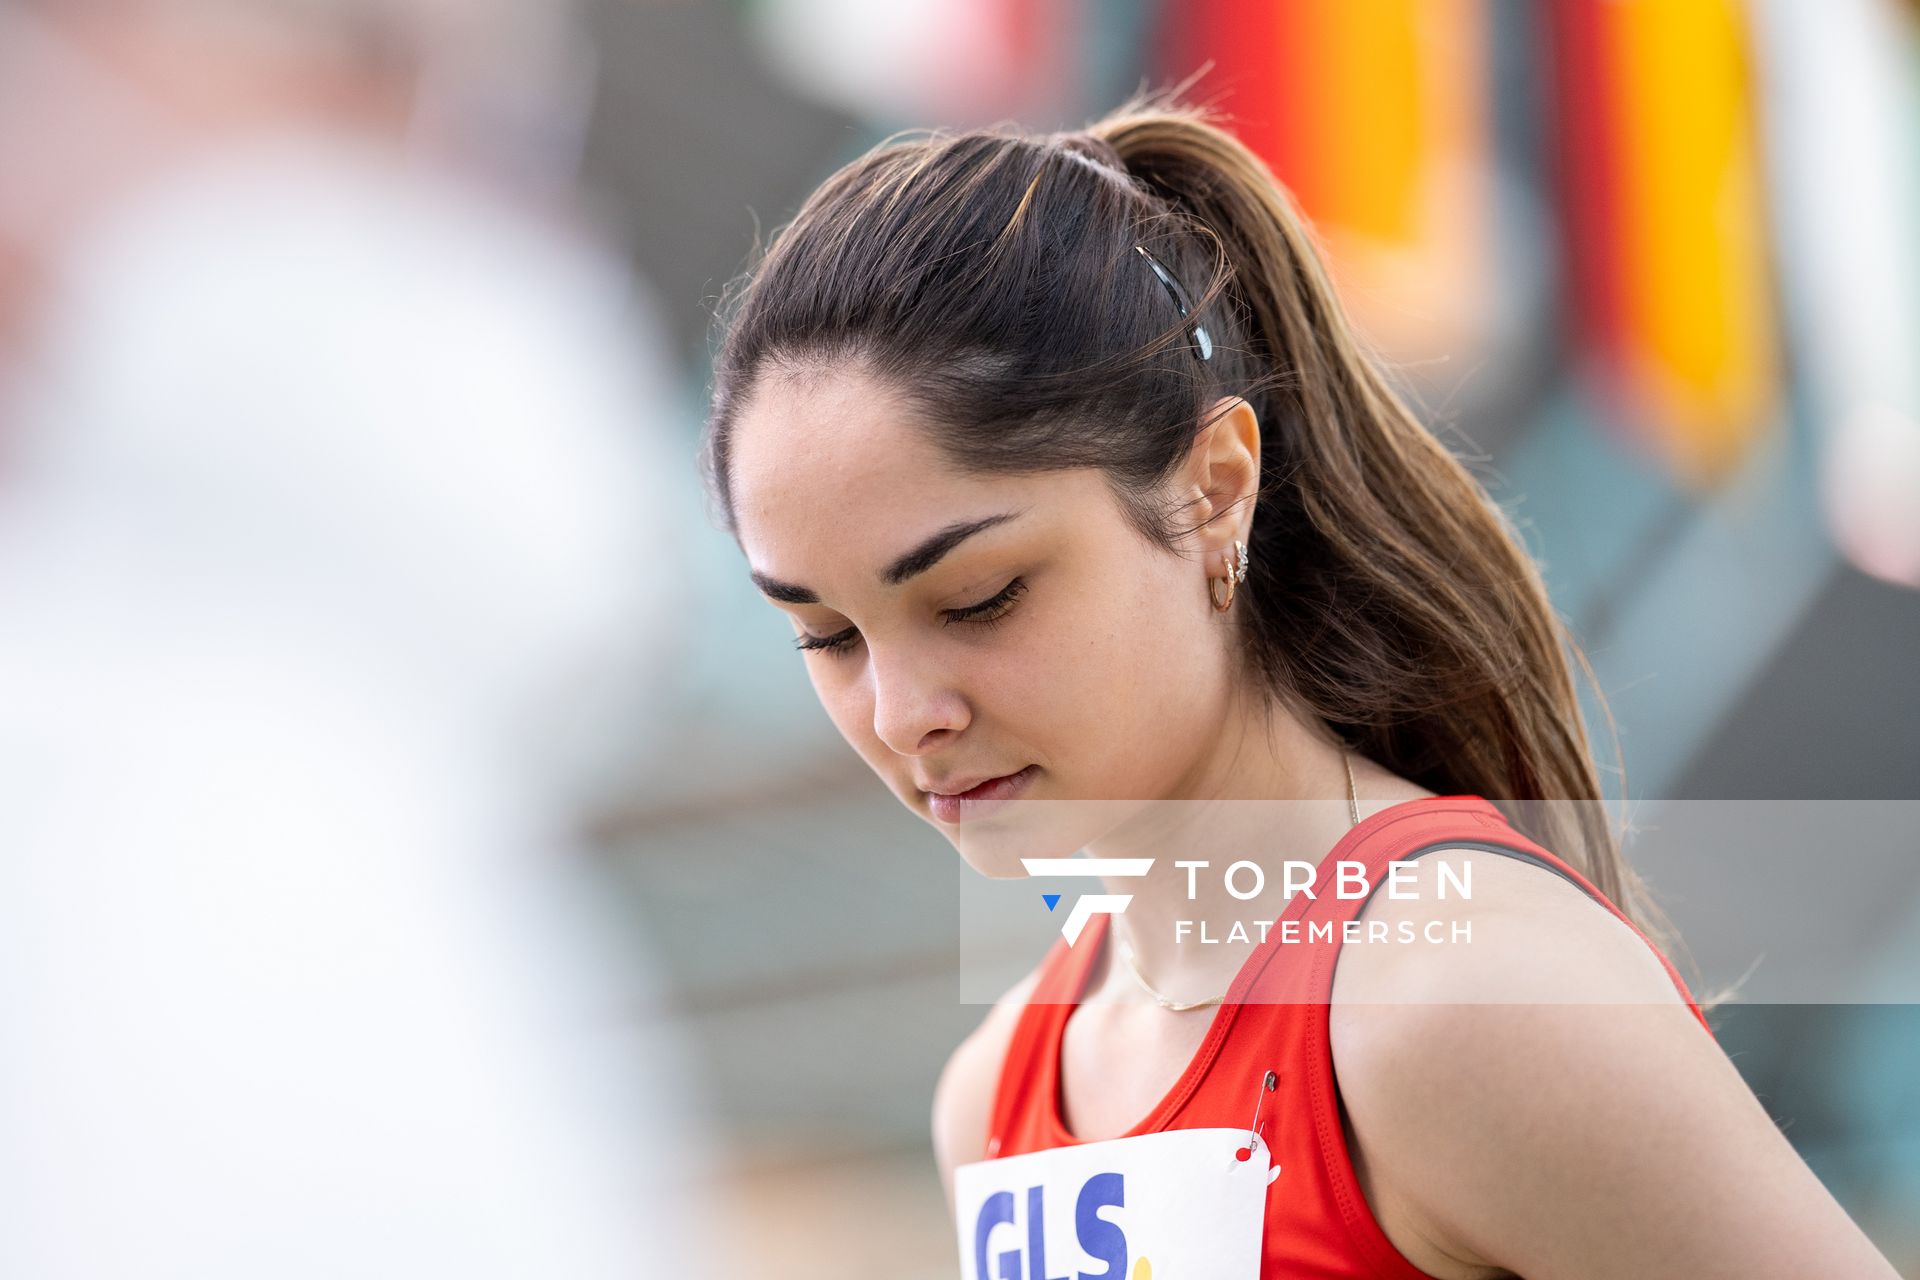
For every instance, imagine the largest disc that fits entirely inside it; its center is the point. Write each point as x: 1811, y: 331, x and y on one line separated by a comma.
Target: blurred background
x: 1652, y: 267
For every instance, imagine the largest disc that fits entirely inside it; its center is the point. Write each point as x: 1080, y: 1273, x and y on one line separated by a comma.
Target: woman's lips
x: 981, y: 800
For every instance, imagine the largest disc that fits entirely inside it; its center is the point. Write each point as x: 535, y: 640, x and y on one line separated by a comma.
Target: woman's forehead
x: 830, y: 424
x: 849, y: 449
x: 827, y: 470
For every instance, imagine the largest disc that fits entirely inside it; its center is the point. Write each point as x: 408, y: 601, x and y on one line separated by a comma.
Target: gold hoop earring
x: 1235, y: 575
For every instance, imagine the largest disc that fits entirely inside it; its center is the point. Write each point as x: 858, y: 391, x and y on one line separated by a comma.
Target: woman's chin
x: 1031, y: 827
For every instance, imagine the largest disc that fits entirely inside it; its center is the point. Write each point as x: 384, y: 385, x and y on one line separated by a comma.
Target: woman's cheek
x: 847, y: 699
x: 1052, y: 692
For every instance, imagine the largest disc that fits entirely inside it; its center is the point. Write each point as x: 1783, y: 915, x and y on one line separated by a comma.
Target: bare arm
x: 1548, y: 1106
x: 963, y: 1099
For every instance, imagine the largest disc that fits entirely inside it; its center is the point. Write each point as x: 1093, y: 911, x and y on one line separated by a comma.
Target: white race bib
x: 1177, y: 1204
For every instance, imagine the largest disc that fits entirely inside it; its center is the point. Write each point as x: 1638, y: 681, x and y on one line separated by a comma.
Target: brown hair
x: 995, y: 278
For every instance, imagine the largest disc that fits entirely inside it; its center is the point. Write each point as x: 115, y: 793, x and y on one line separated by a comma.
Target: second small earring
x: 1236, y: 574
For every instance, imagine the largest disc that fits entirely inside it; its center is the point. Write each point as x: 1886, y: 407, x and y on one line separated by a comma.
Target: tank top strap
x: 1453, y: 822
x: 1025, y: 1065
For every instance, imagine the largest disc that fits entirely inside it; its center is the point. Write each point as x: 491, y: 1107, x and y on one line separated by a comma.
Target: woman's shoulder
x: 1452, y: 1047
x: 1541, y: 1101
x: 963, y: 1098
x: 1525, y: 937
x: 1517, y: 932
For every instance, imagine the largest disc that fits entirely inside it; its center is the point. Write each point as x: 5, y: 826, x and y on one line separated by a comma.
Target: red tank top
x: 1318, y: 1223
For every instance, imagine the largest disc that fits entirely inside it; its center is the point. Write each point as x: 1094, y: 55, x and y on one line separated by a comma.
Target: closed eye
x: 991, y: 609
x: 838, y: 642
x: 985, y: 613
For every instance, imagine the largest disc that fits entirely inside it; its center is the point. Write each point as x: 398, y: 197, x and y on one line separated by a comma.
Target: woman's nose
x: 916, y: 708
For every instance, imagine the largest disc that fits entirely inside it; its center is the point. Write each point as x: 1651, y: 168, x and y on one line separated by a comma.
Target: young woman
x: 1076, y: 487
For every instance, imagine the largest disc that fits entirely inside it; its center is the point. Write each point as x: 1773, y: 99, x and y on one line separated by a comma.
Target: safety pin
x: 1267, y: 1086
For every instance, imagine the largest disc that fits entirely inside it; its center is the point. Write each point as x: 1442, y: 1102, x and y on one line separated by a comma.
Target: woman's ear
x: 1221, y: 475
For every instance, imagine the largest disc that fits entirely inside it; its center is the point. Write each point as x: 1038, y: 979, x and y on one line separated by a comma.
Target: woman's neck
x: 1273, y: 788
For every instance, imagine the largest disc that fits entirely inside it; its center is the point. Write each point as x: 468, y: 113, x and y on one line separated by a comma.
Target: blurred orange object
x: 1666, y: 233
x: 1373, y: 113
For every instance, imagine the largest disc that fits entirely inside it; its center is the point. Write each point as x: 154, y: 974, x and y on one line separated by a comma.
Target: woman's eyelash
x: 835, y: 643
x: 986, y: 613
x: 989, y: 610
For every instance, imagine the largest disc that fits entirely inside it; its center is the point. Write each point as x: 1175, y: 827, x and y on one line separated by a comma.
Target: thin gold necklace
x: 1181, y: 1006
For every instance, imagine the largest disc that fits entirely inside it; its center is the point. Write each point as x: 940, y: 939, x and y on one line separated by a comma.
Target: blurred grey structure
x: 330, y: 571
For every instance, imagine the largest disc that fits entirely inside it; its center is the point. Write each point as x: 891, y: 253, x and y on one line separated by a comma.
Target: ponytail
x: 1415, y: 625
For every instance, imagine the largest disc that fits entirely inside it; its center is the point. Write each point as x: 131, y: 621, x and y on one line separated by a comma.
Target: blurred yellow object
x: 1401, y: 194
x: 1697, y: 362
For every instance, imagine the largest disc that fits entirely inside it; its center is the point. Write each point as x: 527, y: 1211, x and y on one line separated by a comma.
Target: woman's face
x: 962, y: 629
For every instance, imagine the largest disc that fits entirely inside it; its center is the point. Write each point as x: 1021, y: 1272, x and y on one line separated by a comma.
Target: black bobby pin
x: 1202, y: 340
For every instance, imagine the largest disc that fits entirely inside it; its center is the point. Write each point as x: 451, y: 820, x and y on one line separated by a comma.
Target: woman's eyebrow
x: 929, y: 553
x: 913, y: 563
x: 785, y: 592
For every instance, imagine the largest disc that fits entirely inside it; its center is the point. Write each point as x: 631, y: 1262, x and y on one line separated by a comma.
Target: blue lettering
x: 997, y: 1210
x: 1103, y: 1241
x: 1037, y: 1236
